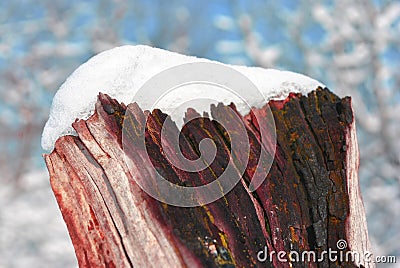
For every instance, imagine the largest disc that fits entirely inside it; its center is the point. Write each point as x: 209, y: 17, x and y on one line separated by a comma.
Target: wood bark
x: 309, y: 200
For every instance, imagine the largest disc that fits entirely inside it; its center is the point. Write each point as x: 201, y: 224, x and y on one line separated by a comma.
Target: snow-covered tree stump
x: 309, y: 201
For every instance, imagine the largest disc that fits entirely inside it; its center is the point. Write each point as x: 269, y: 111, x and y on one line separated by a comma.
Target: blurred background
x: 351, y: 46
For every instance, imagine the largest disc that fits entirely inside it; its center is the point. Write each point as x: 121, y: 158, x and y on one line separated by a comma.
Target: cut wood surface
x: 309, y: 200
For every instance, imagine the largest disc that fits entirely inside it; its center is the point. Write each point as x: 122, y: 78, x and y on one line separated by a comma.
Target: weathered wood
x: 309, y: 200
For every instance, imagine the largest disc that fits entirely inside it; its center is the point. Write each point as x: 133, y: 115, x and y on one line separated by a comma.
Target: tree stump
x: 309, y: 202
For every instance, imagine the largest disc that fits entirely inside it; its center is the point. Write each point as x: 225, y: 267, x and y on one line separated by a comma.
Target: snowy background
x: 351, y: 46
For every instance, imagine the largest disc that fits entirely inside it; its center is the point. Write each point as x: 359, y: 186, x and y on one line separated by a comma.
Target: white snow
x: 121, y: 71
x: 32, y: 230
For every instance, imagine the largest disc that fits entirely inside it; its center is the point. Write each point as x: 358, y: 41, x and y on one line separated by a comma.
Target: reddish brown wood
x: 309, y: 200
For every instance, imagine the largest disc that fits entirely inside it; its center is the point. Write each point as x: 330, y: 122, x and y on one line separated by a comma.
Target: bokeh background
x: 351, y: 46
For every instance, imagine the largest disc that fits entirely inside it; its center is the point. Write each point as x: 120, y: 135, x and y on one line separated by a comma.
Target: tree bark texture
x: 309, y: 200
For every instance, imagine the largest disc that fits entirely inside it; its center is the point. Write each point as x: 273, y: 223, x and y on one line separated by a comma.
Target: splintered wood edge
x: 356, y: 223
